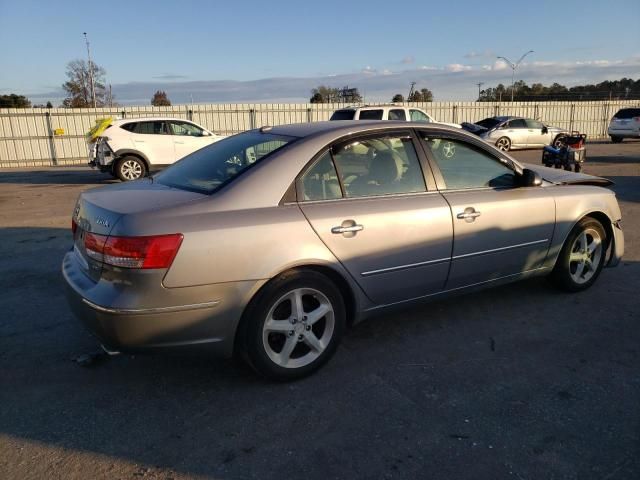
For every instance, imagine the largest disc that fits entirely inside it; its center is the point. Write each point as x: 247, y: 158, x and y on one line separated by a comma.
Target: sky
x: 277, y: 51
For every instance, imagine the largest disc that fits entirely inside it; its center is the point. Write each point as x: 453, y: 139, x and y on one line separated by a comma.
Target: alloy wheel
x: 131, y: 170
x: 585, y: 256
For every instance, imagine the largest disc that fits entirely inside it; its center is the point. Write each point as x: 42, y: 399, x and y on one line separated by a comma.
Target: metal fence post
x: 571, y: 117
x: 252, y: 119
x: 189, y: 114
x: 52, y: 143
x: 124, y: 114
x: 455, y: 114
x: 309, y: 115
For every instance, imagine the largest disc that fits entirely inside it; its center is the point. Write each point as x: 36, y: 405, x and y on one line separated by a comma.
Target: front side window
x: 382, y: 165
x: 206, y: 170
x: 418, y: 116
x: 397, y: 114
x: 371, y: 114
x: 534, y: 124
x: 186, y: 129
x: 464, y: 166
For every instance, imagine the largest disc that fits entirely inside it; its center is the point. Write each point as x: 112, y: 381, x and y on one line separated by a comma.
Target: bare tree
x: 78, y: 85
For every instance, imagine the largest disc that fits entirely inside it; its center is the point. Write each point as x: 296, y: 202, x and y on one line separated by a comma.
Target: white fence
x: 28, y: 136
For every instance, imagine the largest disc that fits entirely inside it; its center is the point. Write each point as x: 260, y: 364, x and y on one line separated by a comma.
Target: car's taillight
x: 133, y: 252
x: 74, y: 226
x: 636, y: 119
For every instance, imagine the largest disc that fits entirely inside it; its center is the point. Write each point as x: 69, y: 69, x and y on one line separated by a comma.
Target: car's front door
x: 187, y: 138
x: 538, y: 135
x: 367, y: 200
x: 500, y: 229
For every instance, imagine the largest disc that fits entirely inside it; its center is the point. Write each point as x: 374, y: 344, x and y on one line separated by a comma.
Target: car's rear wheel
x: 293, y: 326
x: 582, y: 256
x: 504, y: 144
x: 615, y: 139
x: 130, y: 168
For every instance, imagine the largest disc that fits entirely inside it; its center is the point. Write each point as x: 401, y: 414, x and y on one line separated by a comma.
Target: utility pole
x: 110, y: 97
x: 413, y: 84
x: 513, y: 68
x: 93, y: 89
x: 479, y: 86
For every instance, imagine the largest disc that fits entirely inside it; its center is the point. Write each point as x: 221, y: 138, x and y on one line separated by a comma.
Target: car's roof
x: 149, y: 119
x: 341, y: 127
x: 373, y: 107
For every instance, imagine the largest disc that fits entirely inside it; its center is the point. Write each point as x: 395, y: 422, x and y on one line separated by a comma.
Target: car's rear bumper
x: 617, y: 247
x: 203, y: 318
x: 624, y: 132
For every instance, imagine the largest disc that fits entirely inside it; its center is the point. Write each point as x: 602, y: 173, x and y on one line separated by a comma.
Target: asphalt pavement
x: 518, y: 382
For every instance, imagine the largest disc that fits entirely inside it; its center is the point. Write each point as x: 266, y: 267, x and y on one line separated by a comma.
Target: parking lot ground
x: 519, y: 382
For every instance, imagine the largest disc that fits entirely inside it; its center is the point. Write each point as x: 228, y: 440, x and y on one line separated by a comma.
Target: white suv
x: 625, y: 124
x: 128, y: 149
x: 386, y: 112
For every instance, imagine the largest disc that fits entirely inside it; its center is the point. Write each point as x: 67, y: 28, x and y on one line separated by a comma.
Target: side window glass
x: 464, y: 166
x: 517, y: 123
x: 533, y: 124
x: 418, y: 116
x: 130, y: 127
x: 185, y: 129
x: 321, y: 181
x: 371, y: 114
x: 379, y: 166
x: 397, y: 114
x: 151, y: 128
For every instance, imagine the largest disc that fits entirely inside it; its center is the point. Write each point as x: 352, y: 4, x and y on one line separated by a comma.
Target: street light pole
x: 513, y: 68
x: 93, y: 89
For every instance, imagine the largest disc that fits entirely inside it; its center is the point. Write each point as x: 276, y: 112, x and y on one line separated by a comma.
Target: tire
x: 130, y: 168
x: 615, y: 139
x: 557, y: 142
x: 578, y: 167
x: 577, y: 269
x: 282, y: 347
x: 504, y: 144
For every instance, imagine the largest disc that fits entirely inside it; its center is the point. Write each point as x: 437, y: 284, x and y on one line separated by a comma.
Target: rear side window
x: 517, y: 123
x: 321, y: 181
x: 129, y: 127
x: 397, y: 114
x: 343, y: 115
x: 627, y: 113
x: 371, y: 114
x: 206, y: 170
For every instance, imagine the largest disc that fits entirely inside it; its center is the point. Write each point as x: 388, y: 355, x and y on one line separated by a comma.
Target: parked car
x: 129, y: 149
x: 625, y: 124
x: 386, y: 112
x: 510, y: 133
x: 269, y: 243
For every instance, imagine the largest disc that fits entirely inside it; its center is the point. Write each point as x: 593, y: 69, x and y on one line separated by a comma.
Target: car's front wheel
x: 130, y: 168
x: 504, y: 144
x: 293, y: 326
x: 582, y: 256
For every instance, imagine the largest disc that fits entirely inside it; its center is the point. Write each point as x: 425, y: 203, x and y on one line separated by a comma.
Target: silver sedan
x: 270, y: 243
x: 511, y: 133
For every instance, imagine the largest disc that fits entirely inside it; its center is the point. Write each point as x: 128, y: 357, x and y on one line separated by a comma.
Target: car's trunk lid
x: 97, y: 211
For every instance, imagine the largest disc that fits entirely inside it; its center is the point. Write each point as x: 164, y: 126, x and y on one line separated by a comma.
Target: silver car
x: 510, y: 133
x: 270, y: 243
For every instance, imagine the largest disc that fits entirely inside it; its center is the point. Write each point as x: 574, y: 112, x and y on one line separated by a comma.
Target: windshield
x: 208, y: 169
x: 489, y: 123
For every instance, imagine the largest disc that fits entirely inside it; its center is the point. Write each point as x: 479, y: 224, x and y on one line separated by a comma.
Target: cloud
x: 408, y: 60
x: 170, y: 76
x: 429, y: 68
x: 457, y: 67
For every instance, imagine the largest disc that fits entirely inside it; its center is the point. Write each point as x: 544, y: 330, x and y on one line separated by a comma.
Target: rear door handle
x: 469, y: 214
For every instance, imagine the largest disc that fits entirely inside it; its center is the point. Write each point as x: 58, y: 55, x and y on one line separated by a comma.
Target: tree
x: 78, y: 85
x: 324, y: 94
x: 14, y: 101
x: 49, y: 105
x: 160, y: 99
x: 397, y: 98
x: 422, y: 95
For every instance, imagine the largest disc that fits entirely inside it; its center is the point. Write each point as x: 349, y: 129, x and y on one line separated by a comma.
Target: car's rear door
x: 500, y: 229
x: 367, y: 200
x: 152, y: 138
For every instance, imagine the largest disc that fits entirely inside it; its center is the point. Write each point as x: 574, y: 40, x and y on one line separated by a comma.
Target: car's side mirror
x: 545, y: 129
x: 529, y: 178
x: 205, y: 134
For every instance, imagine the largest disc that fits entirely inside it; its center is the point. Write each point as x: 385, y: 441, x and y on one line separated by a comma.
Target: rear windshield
x: 206, y: 170
x: 489, y: 123
x: 627, y: 113
x: 343, y: 115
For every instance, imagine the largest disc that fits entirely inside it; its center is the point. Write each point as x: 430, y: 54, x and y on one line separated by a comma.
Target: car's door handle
x: 469, y: 214
x: 347, y: 229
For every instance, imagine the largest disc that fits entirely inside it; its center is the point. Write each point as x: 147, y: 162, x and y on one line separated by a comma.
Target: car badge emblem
x: 102, y: 221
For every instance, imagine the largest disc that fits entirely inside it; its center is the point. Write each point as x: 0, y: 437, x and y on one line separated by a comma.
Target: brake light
x: 74, y: 226
x: 133, y: 252
x: 636, y: 119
